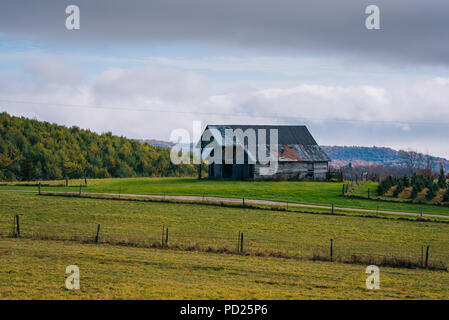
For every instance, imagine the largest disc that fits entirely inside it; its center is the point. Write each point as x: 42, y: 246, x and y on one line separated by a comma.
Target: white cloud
x: 173, y: 99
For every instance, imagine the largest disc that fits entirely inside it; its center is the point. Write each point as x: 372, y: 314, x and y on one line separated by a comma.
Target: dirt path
x: 233, y: 200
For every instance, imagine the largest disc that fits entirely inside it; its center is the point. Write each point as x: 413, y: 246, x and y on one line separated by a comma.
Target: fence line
x: 247, y: 244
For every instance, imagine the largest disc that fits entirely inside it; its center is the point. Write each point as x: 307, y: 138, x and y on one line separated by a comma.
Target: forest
x: 36, y: 150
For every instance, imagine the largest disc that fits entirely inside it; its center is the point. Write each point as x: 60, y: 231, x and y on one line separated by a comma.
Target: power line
x: 234, y: 114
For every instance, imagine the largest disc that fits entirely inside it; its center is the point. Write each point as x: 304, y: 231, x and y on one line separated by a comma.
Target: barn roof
x: 286, y: 134
x: 300, y: 152
x: 295, y: 143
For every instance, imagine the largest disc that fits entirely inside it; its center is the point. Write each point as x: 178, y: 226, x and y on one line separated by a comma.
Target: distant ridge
x: 157, y: 143
x: 359, y: 156
x: 372, y: 156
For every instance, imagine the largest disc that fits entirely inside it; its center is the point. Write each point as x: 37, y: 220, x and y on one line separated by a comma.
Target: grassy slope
x: 293, y: 233
x: 36, y: 270
x: 321, y: 193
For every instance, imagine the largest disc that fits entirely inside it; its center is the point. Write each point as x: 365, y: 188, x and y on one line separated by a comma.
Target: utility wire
x: 234, y: 114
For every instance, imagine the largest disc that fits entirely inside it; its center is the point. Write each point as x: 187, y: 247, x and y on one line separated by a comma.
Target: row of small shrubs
x: 418, y: 184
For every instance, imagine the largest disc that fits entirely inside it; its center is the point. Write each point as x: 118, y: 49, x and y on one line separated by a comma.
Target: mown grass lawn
x: 33, y: 269
x: 318, y: 193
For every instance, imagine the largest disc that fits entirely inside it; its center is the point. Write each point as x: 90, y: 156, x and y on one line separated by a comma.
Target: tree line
x: 36, y: 150
x: 418, y: 182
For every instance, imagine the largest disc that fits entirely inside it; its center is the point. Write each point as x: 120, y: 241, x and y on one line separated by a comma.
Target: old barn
x: 299, y: 156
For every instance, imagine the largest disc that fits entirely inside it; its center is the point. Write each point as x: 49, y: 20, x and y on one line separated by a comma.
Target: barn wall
x: 295, y: 171
x: 320, y: 170
x: 286, y: 170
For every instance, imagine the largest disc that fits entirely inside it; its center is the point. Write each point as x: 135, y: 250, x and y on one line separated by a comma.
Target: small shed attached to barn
x: 299, y: 156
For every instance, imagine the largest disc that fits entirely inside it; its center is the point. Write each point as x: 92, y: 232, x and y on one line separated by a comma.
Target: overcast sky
x: 144, y: 68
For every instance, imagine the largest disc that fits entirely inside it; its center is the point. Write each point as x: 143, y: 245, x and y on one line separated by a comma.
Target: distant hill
x: 157, y: 143
x: 37, y: 150
x: 371, y: 156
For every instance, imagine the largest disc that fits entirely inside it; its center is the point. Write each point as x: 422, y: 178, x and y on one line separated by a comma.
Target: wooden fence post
x: 238, y: 243
x: 422, y: 256
x: 332, y: 250
x: 81, y: 189
x: 427, y: 257
x: 98, y: 234
x: 241, y: 242
x: 420, y: 211
x: 243, y: 202
x: 85, y: 181
x: 369, y: 196
x: 333, y: 208
x: 39, y: 188
x: 162, y: 239
x: 343, y: 190
x: 18, y: 225
x: 166, y: 238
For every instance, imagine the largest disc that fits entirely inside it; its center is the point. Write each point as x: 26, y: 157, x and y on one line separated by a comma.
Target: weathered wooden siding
x: 286, y: 170
x: 320, y: 170
x: 295, y: 171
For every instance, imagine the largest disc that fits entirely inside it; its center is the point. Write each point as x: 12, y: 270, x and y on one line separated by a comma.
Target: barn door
x: 251, y: 171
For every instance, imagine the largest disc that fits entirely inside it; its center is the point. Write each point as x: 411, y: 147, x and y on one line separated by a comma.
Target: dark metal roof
x: 295, y: 143
x: 286, y: 134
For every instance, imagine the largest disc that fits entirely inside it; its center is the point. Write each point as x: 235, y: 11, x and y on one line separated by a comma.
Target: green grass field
x: 135, y: 270
x: 190, y: 225
x: 318, y: 193
x: 32, y: 269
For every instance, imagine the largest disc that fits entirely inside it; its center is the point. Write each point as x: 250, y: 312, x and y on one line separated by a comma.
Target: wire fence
x: 210, y: 239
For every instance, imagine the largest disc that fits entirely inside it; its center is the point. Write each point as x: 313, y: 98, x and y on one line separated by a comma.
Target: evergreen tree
x: 419, y: 186
x: 442, y: 179
x: 406, y: 182
x: 381, y: 189
x: 446, y: 195
x: 414, y: 193
x: 414, y: 179
x: 432, y: 192
x: 399, y: 189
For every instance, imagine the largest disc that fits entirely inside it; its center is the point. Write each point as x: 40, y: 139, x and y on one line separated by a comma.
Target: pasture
x: 314, y: 193
x: 35, y: 269
x: 200, y: 260
x: 141, y: 223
